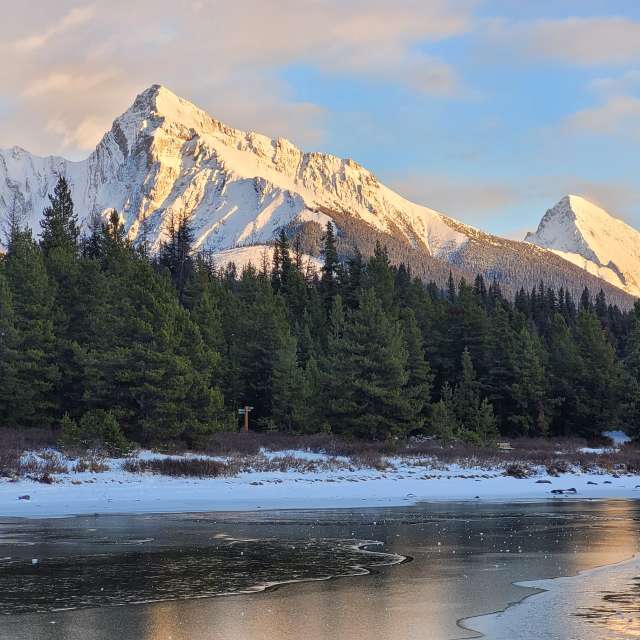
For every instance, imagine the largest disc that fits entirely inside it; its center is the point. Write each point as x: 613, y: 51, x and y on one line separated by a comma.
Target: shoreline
x: 550, y: 593
x: 405, y: 482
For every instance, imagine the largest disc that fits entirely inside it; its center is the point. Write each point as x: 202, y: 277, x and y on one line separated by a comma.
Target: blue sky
x: 488, y: 110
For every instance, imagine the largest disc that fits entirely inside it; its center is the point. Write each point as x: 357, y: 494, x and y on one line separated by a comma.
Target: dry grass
x: 45, y: 463
x: 181, y: 467
x: 243, y: 453
x: 558, y: 455
x: 518, y: 470
x: 198, y: 467
x: 91, y: 464
x: 14, y: 442
x: 286, y: 463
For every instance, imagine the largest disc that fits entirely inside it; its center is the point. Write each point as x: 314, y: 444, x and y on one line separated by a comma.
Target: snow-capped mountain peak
x: 165, y: 158
x: 588, y: 236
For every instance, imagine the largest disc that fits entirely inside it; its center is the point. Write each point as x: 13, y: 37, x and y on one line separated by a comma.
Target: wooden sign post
x: 245, y: 412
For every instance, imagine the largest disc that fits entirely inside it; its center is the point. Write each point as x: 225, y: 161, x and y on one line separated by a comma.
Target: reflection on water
x: 465, y: 559
x: 618, y: 611
x: 232, y: 567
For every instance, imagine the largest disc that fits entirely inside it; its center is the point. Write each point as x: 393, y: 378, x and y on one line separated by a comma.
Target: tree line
x: 108, y: 343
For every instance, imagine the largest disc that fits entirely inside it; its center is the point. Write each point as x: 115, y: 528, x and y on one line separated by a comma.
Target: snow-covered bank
x: 313, y: 481
x: 571, y: 607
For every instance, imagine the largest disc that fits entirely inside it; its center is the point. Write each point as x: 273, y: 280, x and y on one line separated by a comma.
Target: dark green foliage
x: 331, y: 266
x: 59, y: 226
x: 97, y: 429
x: 367, y: 374
x: 175, y: 252
x: 112, y: 347
x: 475, y: 418
x: 27, y: 307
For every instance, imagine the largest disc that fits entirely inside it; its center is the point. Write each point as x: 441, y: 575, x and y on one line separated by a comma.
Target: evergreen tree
x: 598, y: 386
x: 175, y: 253
x: 630, y: 408
x: 531, y: 407
x: 380, y: 276
x: 59, y: 226
x: 420, y: 378
x: 474, y: 414
x: 367, y: 375
x: 28, y: 305
x: 11, y: 386
x: 156, y: 374
x: 289, y: 398
x: 444, y: 423
x: 330, y: 267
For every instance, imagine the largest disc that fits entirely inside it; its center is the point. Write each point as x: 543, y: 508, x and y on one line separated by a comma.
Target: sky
x: 487, y: 110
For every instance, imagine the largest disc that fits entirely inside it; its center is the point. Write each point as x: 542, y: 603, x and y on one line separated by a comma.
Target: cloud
x: 618, y: 85
x: 75, y: 66
x: 617, y: 116
x: 470, y: 200
x: 513, y: 209
x: 75, y: 18
x: 618, y: 197
x: 575, y: 41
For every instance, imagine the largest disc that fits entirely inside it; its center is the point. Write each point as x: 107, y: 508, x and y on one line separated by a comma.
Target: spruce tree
x: 380, y: 276
x: 59, y: 225
x: 29, y: 306
x: 367, y: 375
x: 530, y: 406
x: 288, y: 393
x: 474, y: 414
x: 443, y: 422
x: 10, y: 360
x: 175, y: 252
x: 330, y: 268
x: 598, y: 386
x: 420, y: 378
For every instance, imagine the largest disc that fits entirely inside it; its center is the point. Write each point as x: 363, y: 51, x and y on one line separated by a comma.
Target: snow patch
x: 339, y: 482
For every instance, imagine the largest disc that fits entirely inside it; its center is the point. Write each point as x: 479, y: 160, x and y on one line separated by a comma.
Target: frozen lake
x: 403, y: 573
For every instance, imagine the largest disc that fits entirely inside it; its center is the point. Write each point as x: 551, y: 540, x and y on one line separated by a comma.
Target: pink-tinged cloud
x: 74, y: 65
x: 576, y: 41
x: 617, y: 116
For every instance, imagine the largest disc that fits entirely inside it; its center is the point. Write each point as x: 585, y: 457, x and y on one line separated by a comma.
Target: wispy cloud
x: 75, y: 18
x: 75, y: 73
x: 472, y: 200
x: 518, y: 206
x: 574, y: 40
x: 617, y: 116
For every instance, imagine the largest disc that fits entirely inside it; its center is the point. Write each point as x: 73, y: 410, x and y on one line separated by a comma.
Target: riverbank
x: 598, y: 603
x: 466, y: 558
x: 287, y: 480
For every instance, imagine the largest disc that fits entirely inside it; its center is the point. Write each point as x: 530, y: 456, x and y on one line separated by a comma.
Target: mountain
x: 165, y: 158
x: 586, y: 235
x: 164, y: 154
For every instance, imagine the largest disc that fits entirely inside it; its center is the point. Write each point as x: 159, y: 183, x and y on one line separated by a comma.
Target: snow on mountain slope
x: 589, y: 237
x: 165, y: 156
x: 256, y: 256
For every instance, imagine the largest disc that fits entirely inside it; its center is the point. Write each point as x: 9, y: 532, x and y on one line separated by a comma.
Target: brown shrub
x: 45, y: 463
x: 517, y: 470
x: 94, y: 465
x: 283, y: 464
x: 9, y: 462
x: 181, y: 467
x: 558, y: 467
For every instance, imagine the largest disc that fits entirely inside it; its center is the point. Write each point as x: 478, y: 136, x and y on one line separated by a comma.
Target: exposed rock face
x: 165, y: 155
x: 166, y: 158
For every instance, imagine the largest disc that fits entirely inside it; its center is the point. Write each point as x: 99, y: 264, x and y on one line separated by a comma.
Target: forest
x: 110, y: 343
